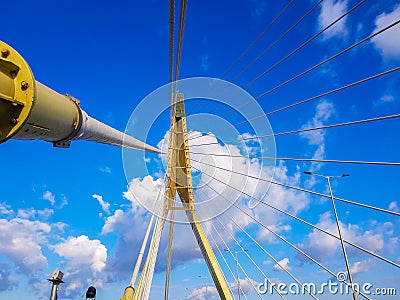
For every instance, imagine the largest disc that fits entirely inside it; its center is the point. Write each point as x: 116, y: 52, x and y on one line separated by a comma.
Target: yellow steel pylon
x: 179, y: 180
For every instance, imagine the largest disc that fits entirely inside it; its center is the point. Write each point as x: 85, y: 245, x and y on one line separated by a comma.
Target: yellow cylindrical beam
x: 30, y: 110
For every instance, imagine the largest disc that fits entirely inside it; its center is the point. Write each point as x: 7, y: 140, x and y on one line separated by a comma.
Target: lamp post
x: 205, y: 277
x: 237, y: 269
x: 337, y: 224
x: 55, y: 279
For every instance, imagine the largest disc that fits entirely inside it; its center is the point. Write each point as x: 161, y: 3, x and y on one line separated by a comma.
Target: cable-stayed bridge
x: 223, y: 174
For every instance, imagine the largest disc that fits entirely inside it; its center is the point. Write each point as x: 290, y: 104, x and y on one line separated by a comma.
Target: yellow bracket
x: 17, y: 91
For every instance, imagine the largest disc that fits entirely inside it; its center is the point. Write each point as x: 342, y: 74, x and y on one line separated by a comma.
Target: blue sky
x: 71, y: 208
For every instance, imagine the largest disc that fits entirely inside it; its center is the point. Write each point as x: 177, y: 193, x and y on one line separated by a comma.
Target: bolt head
x: 14, y: 121
x: 24, y: 85
x: 5, y: 53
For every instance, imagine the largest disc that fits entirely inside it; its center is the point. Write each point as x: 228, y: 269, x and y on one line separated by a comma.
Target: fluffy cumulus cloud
x: 323, y: 247
x: 24, y: 237
x: 247, y: 285
x: 218, y: 177
x: 281, y: 265
x: 388, y: 42
x: 21, y: 242
x: 203, y: 293
x: 360, y: 266
x: 281, y: 198
x: 330, y: 11
x: 130, y: 225
x: 85, y: 258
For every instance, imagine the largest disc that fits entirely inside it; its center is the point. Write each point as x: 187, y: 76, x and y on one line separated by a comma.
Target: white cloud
x: 111, y: 221
x: 360, y: 266
x: 185, y: 247
x: 64, y: 201
x: 105, y: 169
x: 21, y: 242
x: 388, y: 42
x: 85, y: 259
x: 283, y: 263
x: 144, y: 192
x: 280, y: 197
x: 104, y: 204
x: 322, y: 246
x: 330, y: 11
x: 47, y: 195
x: 131, y: 223
x: 5, y: 209
x: 7, y: 280
x: 26, y: 213
x: 210, y: 292
x: 393, y: 206
x: 45, y: 213
x: 31, y: 213
x: 323, y: 113
x: 247, y: 285
x: 204, y: 293
x: 81, y: 251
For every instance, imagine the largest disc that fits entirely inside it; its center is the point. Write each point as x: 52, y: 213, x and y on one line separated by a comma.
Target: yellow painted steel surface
x: 179, y: 180
x: 182, y: 182
x: 54, y: 117
x: 128, y: 294
x: 29, y: 109
x: 17, y: 91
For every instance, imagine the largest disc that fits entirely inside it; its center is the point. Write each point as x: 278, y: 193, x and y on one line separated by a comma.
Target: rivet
x: 24, y: 85
x: 5, y: 53
x: 14, y: 121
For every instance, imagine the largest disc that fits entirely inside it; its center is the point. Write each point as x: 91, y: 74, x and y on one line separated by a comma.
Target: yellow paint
x: 128, y: 294
x: 17, y: 91
x: 180, y: 180
x: 29, y: 109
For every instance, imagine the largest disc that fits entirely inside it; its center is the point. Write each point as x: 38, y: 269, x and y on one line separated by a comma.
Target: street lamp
x: 337, y: 224
x: 237, y: 268
x: 91, y: 293
x: 56, y: 280
x: 205, y: 277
